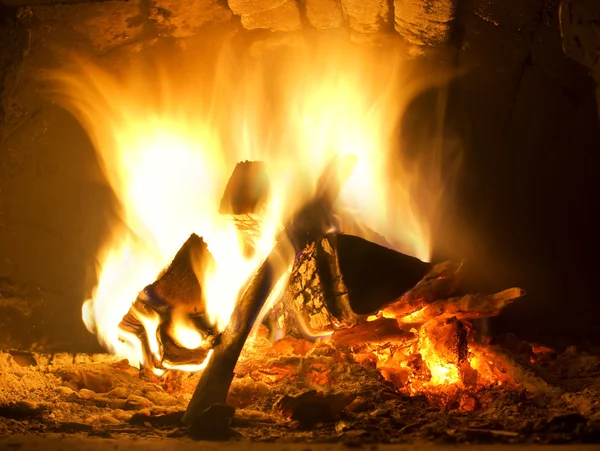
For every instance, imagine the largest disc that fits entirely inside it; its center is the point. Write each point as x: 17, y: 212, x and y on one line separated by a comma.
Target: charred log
x: 176, y: 355
x: 467, y: 307
x: 247, y: 189
x: 244, y: 199
x: 375, y: 275
x: 442, y: 281
x: 302, y: 309
x: 341, y: 279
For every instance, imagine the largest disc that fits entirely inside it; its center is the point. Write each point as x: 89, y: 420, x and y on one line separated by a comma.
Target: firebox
x: 298, y: 221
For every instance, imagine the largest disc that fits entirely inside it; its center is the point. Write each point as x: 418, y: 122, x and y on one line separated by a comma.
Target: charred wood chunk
x: 312, y: 407
x: 174, y: 354
x: 440, y: 282
x: 245, y: 197
x: 375, y: 275
x: 247, y: 189
x: 178, y: 286
x: 328, y: 268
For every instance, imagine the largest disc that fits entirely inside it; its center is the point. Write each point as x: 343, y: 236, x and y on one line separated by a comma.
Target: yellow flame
x: 190, y: 367
x: 168, y: 136
x: 184, y: 332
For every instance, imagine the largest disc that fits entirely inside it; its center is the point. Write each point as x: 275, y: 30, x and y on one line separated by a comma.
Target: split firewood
x: 176, y: 289
x: 467, y: 307
x: 379, y: 332
x: 375, y: 275
x: 247, y: 189
x: 336, y: 294
x: 443, y: 280
x: 305, y: 226
x: 244, y: 199
x: 302, y: 310
x: 340, y: 280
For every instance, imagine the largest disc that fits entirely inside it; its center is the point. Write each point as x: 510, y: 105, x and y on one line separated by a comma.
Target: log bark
x: 467, y: 307
x: 306, y: 226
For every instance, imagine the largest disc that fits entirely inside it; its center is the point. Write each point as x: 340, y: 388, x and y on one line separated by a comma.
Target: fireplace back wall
x: 524, y: 113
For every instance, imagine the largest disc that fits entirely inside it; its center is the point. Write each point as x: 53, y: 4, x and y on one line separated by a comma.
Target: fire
x: 168, y: 136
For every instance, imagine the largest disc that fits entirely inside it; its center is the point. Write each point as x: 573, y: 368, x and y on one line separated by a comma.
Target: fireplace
x: 299, y: 221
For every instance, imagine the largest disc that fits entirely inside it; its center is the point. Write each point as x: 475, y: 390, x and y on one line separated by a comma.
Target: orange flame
x: 169, y: 137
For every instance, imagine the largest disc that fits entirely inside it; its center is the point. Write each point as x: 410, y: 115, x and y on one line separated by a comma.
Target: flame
x: 442, y: 372
x: 169, y: 134
x: 184, y: 332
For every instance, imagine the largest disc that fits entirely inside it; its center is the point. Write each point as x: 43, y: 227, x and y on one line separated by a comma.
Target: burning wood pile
x: 388, y: 311
x: 286, y: 312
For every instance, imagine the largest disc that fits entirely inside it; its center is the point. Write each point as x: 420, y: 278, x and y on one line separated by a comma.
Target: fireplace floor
x: 46, y: 443
x: 555, y: 400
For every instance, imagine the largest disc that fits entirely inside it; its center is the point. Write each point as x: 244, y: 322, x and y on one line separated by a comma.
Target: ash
x: 297, y: 391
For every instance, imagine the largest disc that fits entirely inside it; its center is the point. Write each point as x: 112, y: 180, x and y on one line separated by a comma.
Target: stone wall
x: 523, y: 112
x: 116, y: 22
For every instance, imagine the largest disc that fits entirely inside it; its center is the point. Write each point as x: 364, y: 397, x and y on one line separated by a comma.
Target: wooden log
x: 375, y: 275
x: 302, y: 310
x: 305, y: 226
x: 467, y: 307
x: 443, y: 280
x: 336, y: 294
x: 177, y: 288
x: 379, y: 332
x: 247, y: 189
x: 244, y: 199
x: 340, y: 280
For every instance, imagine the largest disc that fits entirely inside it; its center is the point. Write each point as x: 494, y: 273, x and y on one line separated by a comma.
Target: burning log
x: 469, y: 306
x: 443, y: 280
x: 247, y: 189
x: 307, y: 225
x: 340, y: 280
x: 379, y: 332
x: 177, y: 288
x: 244, y: 198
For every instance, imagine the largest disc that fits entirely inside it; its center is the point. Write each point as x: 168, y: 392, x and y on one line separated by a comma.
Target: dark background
x: 527, y: 200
